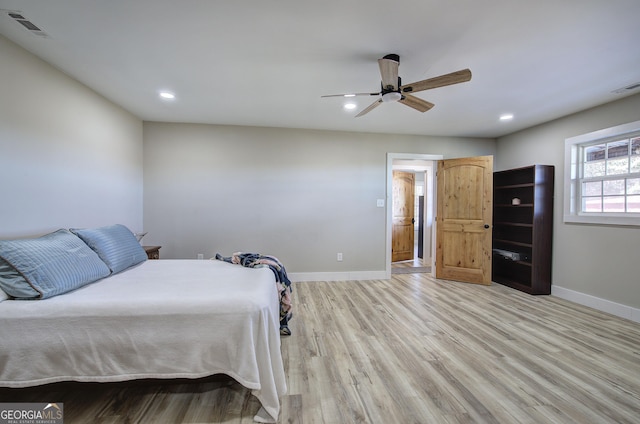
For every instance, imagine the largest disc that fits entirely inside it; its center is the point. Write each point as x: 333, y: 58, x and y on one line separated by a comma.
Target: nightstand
x: 153, y: 252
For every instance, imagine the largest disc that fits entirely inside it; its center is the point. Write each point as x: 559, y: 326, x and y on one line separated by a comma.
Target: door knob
x: 486, y: 225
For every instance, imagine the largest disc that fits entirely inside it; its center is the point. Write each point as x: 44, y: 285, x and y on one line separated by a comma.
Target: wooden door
x: 402, y: 233
x: 464, y: 219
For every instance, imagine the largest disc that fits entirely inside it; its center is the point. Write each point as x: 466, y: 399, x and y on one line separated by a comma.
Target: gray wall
x: 601, y: 261
x: 68, y: 157
x: 300, y: 195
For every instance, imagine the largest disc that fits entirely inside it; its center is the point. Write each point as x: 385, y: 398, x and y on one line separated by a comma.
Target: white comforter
x: 161, y: 319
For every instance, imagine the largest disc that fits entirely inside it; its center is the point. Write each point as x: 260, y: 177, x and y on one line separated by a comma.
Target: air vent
x: 627, y: 89
x: 19, y: 18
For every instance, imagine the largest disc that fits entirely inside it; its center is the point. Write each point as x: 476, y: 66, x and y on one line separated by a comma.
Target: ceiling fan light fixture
x: 392, y: 96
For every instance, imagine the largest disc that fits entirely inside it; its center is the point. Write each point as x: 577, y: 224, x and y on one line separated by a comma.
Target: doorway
x: 403, y: 237
x: 423, y: 166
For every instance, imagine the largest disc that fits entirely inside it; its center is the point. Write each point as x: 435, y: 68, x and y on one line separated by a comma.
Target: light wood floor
x: 412, y: 266
x: 408, y: 350
x: 416, y: 262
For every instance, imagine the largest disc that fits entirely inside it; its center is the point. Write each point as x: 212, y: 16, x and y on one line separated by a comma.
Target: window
x: 602, y: 176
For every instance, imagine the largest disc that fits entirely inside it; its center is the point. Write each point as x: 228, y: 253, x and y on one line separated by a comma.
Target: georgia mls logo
x: 31, y: 413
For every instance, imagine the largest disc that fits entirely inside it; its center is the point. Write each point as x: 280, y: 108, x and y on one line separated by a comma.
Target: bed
x: 153, y: 319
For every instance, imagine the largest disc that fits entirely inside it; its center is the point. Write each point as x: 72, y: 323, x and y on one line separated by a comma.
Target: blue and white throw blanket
x: 256, y: 260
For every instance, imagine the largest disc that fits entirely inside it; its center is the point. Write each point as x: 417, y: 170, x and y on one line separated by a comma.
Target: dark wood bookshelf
x: 523, y: 229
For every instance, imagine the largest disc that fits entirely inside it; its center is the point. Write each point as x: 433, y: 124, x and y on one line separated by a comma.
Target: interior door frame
x: 391, y: 157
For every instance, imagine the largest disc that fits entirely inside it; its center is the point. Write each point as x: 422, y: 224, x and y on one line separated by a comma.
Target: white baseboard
x: 613, y: 308
x: 337, y: 276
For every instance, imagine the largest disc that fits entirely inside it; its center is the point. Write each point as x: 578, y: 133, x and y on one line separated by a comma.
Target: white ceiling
x: 267, y: 62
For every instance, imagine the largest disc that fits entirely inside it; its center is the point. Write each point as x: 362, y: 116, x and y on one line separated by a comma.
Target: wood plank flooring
x: 407, y: 350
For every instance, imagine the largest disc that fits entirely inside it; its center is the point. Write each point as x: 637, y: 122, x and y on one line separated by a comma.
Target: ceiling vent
x: 33, y: 28
x: 627, y: 89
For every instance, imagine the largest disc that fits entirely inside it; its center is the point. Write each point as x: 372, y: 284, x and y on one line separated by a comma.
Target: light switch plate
x: 380, y: 203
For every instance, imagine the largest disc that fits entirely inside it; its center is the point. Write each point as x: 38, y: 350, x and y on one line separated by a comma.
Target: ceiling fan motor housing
x: 388, y: 93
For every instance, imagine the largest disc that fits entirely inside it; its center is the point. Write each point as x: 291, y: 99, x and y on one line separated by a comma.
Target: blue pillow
x: 47, y: 266
x: 115, y: 244
x: 15, y: 282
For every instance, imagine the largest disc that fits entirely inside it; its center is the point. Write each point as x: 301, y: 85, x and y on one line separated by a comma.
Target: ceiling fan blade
x: 441, y: 81
x: 351, y: 94
x: 416, y: 103
x: 389, y: 71
x: 369, y: 108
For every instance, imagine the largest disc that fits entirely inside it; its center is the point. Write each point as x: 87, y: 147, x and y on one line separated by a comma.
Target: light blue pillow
x: 115, y: 244
x: 15, y: 282
x: 47, y: 266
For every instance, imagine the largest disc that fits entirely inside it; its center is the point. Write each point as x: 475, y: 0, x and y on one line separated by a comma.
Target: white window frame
x: 572, y: 168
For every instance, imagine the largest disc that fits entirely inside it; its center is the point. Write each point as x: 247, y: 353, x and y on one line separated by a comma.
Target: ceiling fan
x: 392, y: 89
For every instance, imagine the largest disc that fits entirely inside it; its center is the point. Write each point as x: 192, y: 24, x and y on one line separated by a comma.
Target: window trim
x: 571, y: 178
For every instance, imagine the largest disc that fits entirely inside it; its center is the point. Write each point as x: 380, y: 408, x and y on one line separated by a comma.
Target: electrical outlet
x: 339, y: 257
x: 200, y: 256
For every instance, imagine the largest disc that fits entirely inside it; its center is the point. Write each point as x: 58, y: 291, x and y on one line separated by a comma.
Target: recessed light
x: 349, y: 95
x: 350, y: 106
x: 167, y: 95
x: 506, y: 117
